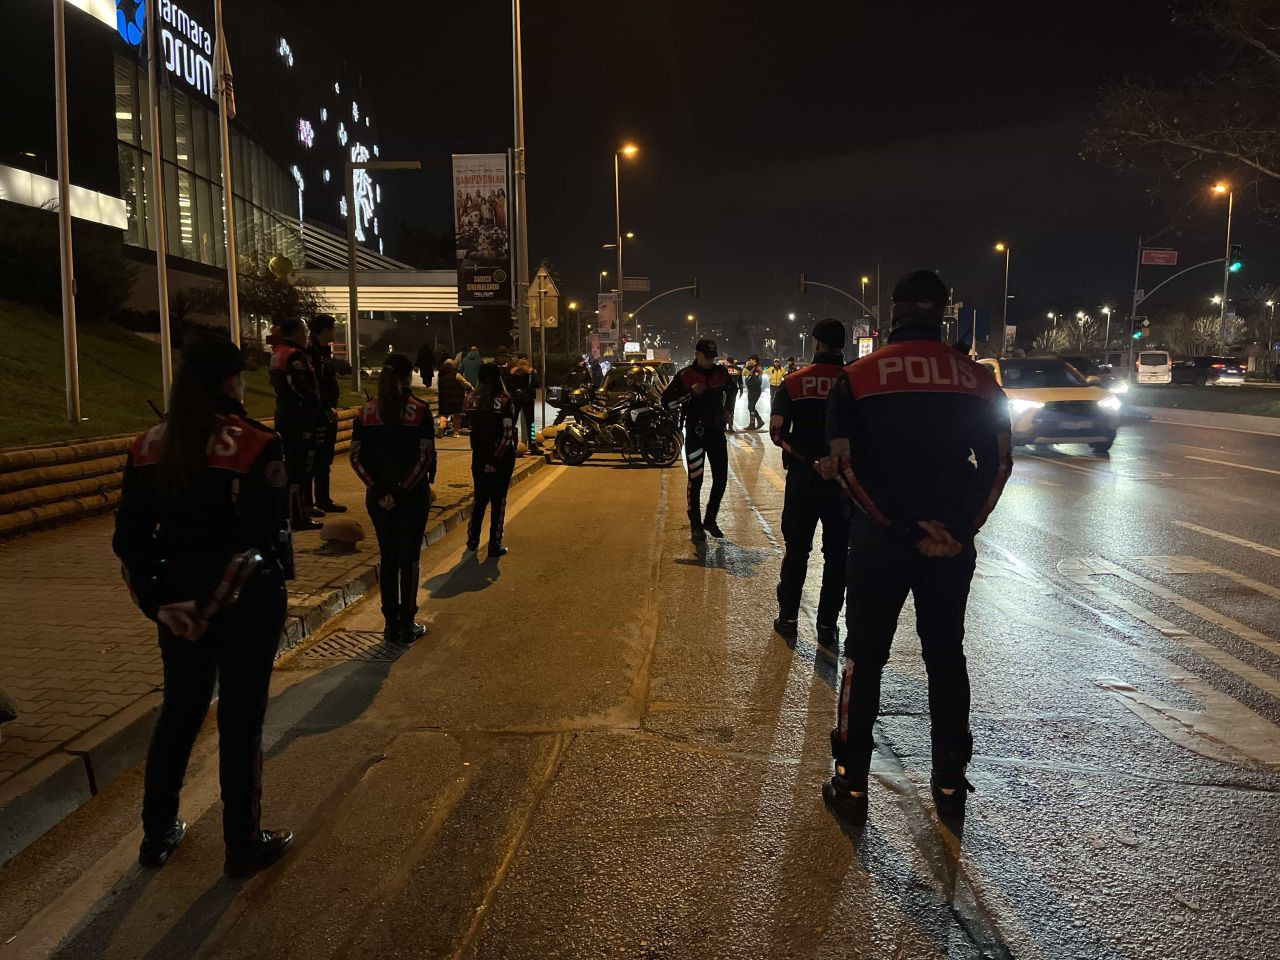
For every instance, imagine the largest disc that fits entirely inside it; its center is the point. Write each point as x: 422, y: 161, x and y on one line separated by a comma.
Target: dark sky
x: 782, y: 137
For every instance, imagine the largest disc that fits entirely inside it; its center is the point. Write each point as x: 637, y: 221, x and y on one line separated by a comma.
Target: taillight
x: 1218, y: 366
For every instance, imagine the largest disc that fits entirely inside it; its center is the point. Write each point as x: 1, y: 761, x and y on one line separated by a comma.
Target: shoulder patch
x: 282, y: 354
x: 369, y: 414
x: 235, y: 443
x: 146, y: 447
x: 413, y: 412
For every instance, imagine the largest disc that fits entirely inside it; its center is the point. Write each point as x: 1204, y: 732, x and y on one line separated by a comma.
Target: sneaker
x: 154, y: 851
x: 785, y: 628
x: 266, y: 847
x: 844, y: 798
x: 306, y: 523
x: 949, y: 794
x: 497, y: 550
x: 709, y: 524
x: 412, y: 632
x: 330, y: 507
x: 828, y: 637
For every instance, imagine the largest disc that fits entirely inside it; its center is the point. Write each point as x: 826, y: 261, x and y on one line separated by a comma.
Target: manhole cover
x: 354, y: 645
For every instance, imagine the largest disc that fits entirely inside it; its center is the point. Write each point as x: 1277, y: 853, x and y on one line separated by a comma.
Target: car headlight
x: 1111, y: 404
x: 1119, y: 386
x: 1019, y: 406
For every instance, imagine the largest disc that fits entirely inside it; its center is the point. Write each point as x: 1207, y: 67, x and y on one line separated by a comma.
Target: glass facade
x: 264, y: 193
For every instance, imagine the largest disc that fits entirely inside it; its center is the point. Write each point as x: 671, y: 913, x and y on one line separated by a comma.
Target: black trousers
x: 753, y: 397
x: 808, y: 501
x: 524, y: 408
x: 705, y: 444
x: 490, y: 493
x: 882, y: 571
x: 399, y: 532
x: 237, y: 651
x: 326, y: 442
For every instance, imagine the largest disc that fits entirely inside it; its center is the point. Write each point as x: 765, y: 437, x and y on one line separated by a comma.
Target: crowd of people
x: 900, y: 456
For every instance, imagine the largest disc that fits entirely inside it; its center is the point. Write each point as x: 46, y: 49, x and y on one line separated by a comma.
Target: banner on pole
x: 607, y: 327
x: 481, y: 228
x: 1159, y: 257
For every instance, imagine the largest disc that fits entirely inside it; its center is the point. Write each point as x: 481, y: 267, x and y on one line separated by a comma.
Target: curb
x: 36, y: 800
x: 1239, y: 422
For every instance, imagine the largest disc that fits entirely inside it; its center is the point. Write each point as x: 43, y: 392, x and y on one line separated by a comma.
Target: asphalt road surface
x: 601, y: 750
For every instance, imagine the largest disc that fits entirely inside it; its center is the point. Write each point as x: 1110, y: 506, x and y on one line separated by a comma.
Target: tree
x: 1222, y: 122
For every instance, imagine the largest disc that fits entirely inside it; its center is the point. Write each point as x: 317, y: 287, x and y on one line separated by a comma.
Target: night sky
x: 777, y: 138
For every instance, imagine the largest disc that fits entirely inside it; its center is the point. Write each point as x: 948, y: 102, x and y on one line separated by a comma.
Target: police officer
x: 320, y: 352
x: 705, y: 391
x: 735, y: 389
x: 493, y: 458
x: 920, y: 435
x: 299, y: 413
x: 798, y: 426
x: 202, y: 533
x: 393, y: 451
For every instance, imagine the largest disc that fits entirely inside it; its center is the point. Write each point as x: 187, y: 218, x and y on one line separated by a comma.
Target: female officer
x: 203, y: 535
x: 393, y: 450
x: 493, y: 457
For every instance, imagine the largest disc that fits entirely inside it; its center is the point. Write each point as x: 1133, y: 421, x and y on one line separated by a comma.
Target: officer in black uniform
x: 202, y: 533
x: 320, y: 352
x: 920, y: 435
x: 798, y: 426
x: 393, y: 451
x: 299, y: 413
x: 705, y: 392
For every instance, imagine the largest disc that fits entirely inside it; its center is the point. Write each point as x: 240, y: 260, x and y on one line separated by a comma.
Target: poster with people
x: 481, y: 227
x: 607, y: 326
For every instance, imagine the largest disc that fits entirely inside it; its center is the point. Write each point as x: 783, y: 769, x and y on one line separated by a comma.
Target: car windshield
x: 1084, y: 365
x: 1030, y: 374
x: 1153, y: 359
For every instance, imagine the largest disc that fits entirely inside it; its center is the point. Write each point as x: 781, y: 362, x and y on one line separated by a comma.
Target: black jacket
x: 798, y: 423
x: 928, y: 432
x: 321, y: 358
x: 493, y: 431
x: 707, y: 408
x: 395, y: 458
x: 177, y: 545
x: 298, y: 404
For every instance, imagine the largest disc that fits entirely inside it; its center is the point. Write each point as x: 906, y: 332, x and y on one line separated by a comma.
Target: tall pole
x: 353, y: 321
x: 617, y: 219
x: 522, y: 209
x: 228, y: 198
x: 1133, y: 312
x: 542, y: 336
x: 1004, y: 315
x: 1226, y: 267
x: 159, y: 228
x: 70, y: 346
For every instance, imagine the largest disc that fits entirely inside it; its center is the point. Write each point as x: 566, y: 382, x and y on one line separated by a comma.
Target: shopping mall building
x: 302, y: 112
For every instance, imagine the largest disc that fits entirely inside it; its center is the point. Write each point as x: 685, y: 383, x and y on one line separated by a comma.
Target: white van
x: 1155, y: 366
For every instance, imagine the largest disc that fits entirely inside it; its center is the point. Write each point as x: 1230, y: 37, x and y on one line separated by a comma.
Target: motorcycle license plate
x: 1076, y: 424
x: 635, y: 415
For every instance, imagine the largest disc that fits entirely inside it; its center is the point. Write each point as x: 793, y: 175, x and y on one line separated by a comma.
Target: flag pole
x: 158, y: 229
x: 70, y: 347
x: 226, y: 110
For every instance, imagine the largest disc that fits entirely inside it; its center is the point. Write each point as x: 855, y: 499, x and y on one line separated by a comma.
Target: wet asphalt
x: 601, y: 750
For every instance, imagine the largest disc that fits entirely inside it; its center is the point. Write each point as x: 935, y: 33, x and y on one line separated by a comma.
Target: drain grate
x: 354, y: 645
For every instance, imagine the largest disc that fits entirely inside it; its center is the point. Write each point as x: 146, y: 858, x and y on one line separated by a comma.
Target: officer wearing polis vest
x: 798, y: 427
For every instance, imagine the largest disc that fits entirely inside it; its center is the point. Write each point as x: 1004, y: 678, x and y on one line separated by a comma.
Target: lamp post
x: 628, y: 150
x: 865, y: 281
x: 353, y: 322
x: 603, y: 274
x: 520, y: 172
x: 1106, y: 336
x: 70, y: 348
x: 1004, y: 313
x: 693, y: 318
x: 577, y: 328
x: 1221, y: 188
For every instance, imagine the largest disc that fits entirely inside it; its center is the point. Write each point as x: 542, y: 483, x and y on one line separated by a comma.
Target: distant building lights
x: 306, y: 133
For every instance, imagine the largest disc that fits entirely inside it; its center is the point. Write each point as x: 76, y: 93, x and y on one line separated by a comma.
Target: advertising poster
x: 481, y: 226
x: 608, y: 320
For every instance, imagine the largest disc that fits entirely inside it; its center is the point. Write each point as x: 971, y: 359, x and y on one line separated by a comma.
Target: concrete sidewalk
x: 83, y: 664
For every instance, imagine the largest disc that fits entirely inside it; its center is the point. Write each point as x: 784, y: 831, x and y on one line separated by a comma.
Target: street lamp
x: 1004, y: 315
x: 865, y: 281
x: 627, y: 150
x: 603, y: 274
x: 1106, y: 336
x: 693, y: 318
x: 1220, y: 188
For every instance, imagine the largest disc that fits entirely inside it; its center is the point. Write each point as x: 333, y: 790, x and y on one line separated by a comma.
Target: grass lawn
x: 1257, y: 401
x: 119, y: 373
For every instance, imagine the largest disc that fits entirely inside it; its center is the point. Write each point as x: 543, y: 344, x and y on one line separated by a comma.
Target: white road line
x: 1181, y: 564
x: 1228, y: 538
x: 1231, y: 463
x: 1061, y: 463
x: 1081, y: 573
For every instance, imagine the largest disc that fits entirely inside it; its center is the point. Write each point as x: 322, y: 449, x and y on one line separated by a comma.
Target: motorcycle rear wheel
x: 570, y: 449
x: 661, y: 448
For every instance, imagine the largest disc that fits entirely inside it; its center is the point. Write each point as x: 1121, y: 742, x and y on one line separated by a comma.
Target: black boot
x: 709, y: 524
x: 264, y: 849
x: 154, y: 851
x: 949, y: 795
x: 828, y: 637
x: 786, y: 628
x: 298, y: 518
x: 323, y: 498
x: 411, y: 632
x: 497, y: 550
x: 696, y: 533
x: 845, y: 798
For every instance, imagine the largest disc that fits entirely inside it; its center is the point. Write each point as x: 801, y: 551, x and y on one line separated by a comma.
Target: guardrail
x: 47, y: 485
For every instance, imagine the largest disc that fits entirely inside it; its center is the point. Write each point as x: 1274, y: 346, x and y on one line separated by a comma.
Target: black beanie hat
x: 401, y: 364
x: 830, y: 332
x: 212, y: 358
x: 919, y: 297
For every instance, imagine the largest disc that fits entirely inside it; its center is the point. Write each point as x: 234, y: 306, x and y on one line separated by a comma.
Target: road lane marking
x: 1182, y: 565
x: 1228, y: 538
x: 1229, y: 463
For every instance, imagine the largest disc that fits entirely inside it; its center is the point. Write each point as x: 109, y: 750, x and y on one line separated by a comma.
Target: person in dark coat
x: 493, y: 457
x: 299, y: 413
x: 451, y: 395
x: 320, y: 350
x: 426, y: 363
x: 522, y: 384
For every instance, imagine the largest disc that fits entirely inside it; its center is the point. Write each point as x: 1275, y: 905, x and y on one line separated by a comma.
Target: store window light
x: 285, y: 53
x: 355, y: 111
x: 337, y: 88
x: 342, y: 134
x: 342, y: 207
x: 324, y: 175
x: 324, y: 115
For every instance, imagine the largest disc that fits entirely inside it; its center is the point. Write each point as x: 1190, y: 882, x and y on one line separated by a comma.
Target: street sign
x: 544, y: 300
x: 1010, y: 335
x: 635, y: 284
x: 866, y: 345
x: 1159, y: 257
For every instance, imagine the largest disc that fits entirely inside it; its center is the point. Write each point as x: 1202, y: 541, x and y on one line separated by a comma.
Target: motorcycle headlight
x: 1019, y: 406
x: 1110, y: 404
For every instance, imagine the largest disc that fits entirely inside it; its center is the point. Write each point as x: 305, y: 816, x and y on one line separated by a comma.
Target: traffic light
x: 1137, y: 334
x: 1234, y: 263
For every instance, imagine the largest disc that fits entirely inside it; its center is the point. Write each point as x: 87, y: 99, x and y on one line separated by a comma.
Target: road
x: 601, y: 750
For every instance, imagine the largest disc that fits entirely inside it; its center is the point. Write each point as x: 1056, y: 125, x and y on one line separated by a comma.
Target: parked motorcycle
x: 638, y: 428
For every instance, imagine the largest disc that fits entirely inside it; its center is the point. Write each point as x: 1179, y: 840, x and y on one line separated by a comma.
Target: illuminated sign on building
x: 306, y: 133
x: 342, y: 134
x: 355, y: 111
x: 187, y: 45
x: 364, y: 191
x: 285, y: 53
